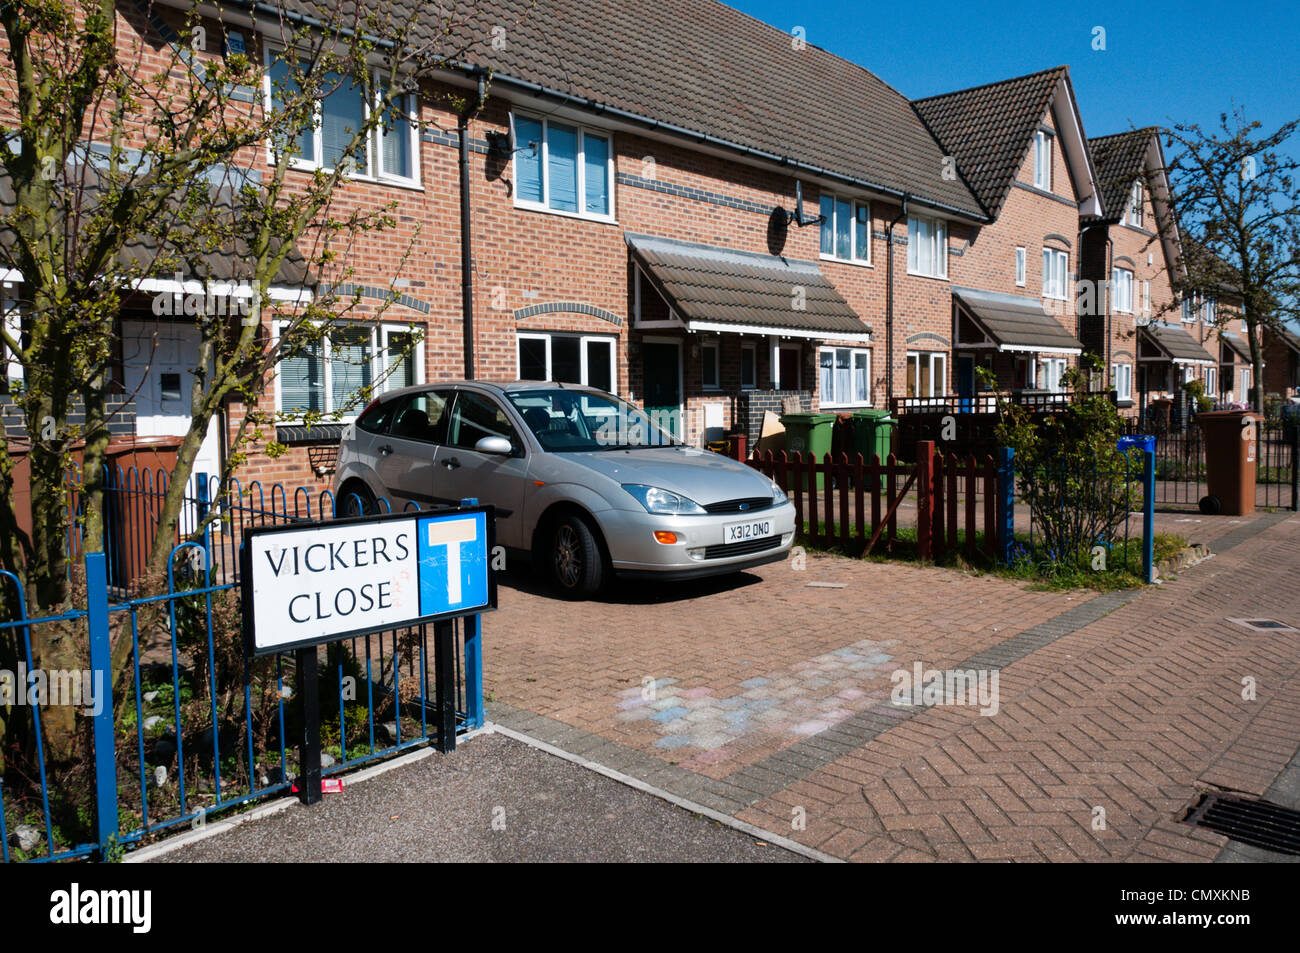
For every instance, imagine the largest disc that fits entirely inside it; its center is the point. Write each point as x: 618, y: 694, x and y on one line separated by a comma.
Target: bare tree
x: 144, y: 142
x: 1237, y: 201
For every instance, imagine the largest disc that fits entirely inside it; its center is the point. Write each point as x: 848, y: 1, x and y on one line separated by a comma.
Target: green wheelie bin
x: 809, y: 433
x: 872, y: 434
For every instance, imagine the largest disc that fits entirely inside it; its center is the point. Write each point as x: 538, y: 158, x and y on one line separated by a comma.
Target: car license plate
x: 743, y: 532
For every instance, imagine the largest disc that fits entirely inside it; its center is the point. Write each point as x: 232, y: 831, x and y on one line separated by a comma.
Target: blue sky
x: 1163, y: 62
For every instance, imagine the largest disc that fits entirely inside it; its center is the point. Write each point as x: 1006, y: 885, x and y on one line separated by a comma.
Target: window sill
x: 599, y: 219
x: 860, y: 263
x: 921, y: 274
x: 410, y: 185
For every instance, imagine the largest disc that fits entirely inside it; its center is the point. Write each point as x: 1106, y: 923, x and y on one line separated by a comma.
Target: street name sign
x: 306, y: 584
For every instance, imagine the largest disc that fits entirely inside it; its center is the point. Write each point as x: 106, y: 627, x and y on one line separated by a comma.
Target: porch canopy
x: 1176, y: 345
x: 1236, y: 345
x: 714, y: 289
x: 1011, y: 323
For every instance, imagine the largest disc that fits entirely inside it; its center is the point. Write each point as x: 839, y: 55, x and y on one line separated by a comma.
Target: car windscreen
x: 567, y: 421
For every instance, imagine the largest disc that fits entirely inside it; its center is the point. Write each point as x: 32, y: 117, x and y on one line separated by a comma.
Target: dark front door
x: 965, y: 380
x: 789, y: 368
x: 663, y: 384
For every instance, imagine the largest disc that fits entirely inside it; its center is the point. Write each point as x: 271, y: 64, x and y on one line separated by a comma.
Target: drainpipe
x: 889, y: 301
x: 466, y: 250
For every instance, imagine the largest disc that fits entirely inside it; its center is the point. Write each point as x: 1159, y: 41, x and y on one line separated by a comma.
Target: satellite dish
x: 798, y: 216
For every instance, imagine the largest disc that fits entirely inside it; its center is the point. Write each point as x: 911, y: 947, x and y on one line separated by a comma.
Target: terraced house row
x: 703, y: 213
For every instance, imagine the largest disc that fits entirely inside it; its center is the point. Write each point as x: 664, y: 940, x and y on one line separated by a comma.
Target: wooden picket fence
x: 956, y: 500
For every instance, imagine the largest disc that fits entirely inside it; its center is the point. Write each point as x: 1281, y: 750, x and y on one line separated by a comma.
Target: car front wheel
x: 577, y: 565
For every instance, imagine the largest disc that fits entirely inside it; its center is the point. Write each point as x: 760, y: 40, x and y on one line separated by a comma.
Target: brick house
x: 1281, y: 362
x: 1020, y: 145
x: 711, y: 237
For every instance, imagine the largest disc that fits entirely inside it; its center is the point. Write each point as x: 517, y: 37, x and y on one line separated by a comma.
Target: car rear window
x: 375, y: 420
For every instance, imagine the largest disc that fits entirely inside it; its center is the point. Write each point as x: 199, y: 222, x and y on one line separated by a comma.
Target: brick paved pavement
x: 760, y: 695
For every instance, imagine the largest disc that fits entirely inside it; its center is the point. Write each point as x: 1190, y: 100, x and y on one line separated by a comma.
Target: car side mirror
x: 497, y: 445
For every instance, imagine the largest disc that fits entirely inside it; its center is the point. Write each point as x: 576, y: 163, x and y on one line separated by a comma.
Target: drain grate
x: 1264, y: 625
x: 1257, y: 823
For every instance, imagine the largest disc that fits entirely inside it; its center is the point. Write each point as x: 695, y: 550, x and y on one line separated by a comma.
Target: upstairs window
x: 1122, y: 282
x: 1133, y: 213
x: 1042, y: 160
x: 389, y: 152
x: 570, y: 169
x: 846, y: 229
x: 927, y: 247
x: 1056, y: 266
x: 1020, y: 267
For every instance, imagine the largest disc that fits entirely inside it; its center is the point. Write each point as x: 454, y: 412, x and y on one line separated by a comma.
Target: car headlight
x: 663, y: 503
x: 778, y: 494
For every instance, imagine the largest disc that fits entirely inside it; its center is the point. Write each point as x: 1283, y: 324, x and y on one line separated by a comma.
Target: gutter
x: 889, y: 300
x: 275, y: 14
x: 706, y: 139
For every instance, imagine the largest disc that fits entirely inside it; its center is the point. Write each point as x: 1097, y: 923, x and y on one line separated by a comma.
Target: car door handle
x: 385, y: 450
x: 451, y: 464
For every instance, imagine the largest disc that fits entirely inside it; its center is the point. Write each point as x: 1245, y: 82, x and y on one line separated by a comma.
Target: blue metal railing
x: 193, y: 726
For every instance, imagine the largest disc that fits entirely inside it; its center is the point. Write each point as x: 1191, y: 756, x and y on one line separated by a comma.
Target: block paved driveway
x: 767, y: 696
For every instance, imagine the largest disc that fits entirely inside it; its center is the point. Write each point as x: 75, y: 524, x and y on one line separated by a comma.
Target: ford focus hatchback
x: 583, y: 482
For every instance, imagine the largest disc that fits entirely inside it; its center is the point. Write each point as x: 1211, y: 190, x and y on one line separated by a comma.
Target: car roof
x: 501, y: 387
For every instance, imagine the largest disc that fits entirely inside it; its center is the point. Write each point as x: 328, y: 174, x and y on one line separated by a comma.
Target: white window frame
x: 581, y: 179
x: 1043, y: 160
x: 749, y: 347
x: 938, y: 240
x: 1122, y: 380
x: 373, y: 150
x: 1021, y: 269
x: 1146, y: 296
x: 855, y: 255
x: 1122, y: 281
x: 1212, y: 381
x: 713, y: 344
x: 1244, y: 377
x: 1051, y: 371
x: 583, y: 370
x: 1052, y: 259
x: 379, y: 333
x: 1191, y: 307
x: 1133, y: 211
x: 1209, y: 309
x: 834, y: 400
x: 13, y: 321
x: 938, y: 382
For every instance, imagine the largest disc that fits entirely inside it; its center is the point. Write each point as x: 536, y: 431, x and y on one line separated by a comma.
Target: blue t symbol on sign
x: 453, y: 562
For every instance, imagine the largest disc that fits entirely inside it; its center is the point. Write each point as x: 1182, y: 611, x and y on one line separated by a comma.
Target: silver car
x: 583, y: 482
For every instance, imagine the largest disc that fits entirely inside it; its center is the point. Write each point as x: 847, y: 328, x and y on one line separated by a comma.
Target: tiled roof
x: 1016, y: 322
x: 718, y: 285
x: 228, y: 260
x: 701, y: 67
x: 1237, y: 344
x: 989, y: 129
x: 1289, y: 338
x: 1177, y: 344
x: 1119, y: 160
